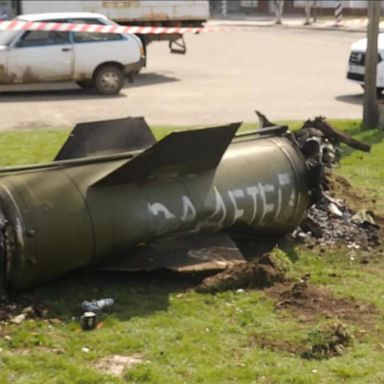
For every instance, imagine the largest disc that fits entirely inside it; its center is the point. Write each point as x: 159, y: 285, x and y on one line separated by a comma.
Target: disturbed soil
x: 354, y: 199
x: 254, y: 274
x: 308, y: 302
x: 329, y: 341
x: 340, y: 186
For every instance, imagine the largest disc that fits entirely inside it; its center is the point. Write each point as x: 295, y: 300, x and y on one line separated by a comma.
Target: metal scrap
x: 330, y: 221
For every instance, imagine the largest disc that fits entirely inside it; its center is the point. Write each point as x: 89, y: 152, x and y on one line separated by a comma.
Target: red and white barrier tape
x: 19, y: 25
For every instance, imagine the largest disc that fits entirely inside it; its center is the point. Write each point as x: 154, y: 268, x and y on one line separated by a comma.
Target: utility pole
x: 338, y: 12
x: 224, y: 8
x: 370, y: 114
x: 307, y: 11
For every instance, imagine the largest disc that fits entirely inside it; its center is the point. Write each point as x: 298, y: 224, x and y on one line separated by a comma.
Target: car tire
x: 109, y: 80
x: 85, y: 84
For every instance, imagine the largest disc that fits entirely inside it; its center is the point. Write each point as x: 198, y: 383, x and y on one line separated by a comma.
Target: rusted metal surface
x: 26, y: 76
x: 4, y: 76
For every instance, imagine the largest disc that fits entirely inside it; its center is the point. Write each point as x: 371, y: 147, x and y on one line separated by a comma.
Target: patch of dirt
x: 275, y: 345
x: 115, y: 365
x: 255, y: 274
x: 340, y: 186
x: 309, y: 302
x: 321, y: 343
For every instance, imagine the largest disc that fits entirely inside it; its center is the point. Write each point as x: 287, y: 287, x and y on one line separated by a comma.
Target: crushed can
x: 88, y: 321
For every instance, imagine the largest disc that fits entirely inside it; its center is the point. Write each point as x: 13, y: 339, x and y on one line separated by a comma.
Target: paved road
x: 285, y: 73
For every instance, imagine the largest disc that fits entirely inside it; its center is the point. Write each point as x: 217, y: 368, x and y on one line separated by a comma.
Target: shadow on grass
x: 135, y: 293
x: 368, y: 136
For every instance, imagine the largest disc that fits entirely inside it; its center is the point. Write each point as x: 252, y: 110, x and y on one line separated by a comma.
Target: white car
x: 356, y: 64
x: 100, y: 60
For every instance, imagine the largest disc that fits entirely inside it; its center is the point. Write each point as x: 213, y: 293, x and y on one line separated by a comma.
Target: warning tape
x: 20, y: 25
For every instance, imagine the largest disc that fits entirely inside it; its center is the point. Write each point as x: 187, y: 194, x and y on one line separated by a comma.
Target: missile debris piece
x: 113, y: 187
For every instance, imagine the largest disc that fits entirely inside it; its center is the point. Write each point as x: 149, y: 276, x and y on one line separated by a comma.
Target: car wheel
x: 109, y: 80
x: 85, y: 84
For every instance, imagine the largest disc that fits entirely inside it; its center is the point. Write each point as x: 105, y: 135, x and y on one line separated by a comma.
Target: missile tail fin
x: 106, y: 137
x: 178, y: 154
x: 191, y: 253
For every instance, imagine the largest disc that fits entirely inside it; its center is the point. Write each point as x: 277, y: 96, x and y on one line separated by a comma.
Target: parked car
x: 356, y: 64
x: 100, y: 60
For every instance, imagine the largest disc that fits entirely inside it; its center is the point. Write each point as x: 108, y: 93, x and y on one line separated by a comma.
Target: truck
x: 157, y: 13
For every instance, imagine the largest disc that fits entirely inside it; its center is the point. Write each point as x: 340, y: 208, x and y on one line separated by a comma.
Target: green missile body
x: 102, y: 197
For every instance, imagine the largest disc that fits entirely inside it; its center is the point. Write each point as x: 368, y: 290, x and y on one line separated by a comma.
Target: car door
x: 41, y: 56
x: 92, y: 49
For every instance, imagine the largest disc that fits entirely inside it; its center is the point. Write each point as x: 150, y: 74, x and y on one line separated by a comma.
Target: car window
x: 82, y: 37
x: 38, y: 38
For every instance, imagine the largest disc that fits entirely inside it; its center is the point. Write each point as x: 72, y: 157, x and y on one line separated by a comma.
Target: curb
x: 288, y: 25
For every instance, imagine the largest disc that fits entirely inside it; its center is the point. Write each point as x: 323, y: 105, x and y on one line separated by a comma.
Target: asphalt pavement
x: 287, y: 71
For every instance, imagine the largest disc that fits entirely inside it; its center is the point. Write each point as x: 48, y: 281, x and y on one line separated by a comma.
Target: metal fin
x: 179, y: 153
x: 186, y: 254
x: 106, y: 137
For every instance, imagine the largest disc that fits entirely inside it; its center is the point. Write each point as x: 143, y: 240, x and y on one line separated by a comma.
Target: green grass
x: 185, y: 337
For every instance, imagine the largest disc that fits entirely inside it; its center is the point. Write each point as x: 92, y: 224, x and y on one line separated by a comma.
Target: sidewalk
x: 348, y: 24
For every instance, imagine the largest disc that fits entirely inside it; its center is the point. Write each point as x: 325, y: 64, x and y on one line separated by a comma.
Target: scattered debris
x: 18, y: 311
x: 271, y: 268
x: 88, y: 321
x: 334, y: 136
x: 328, y: 225
x: 328, y: 342
x: 93, y: 308
x: 115, y: 365
x: 19, y: 318
x: 97, y: 306
x: 330, y: 220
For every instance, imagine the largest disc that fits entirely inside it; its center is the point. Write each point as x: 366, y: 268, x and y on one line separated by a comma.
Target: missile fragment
x: 112, y: 187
